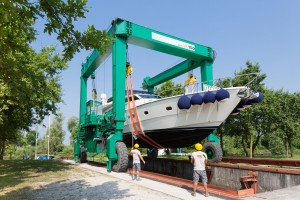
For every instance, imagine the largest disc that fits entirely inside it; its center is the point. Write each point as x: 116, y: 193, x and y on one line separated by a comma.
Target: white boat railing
x: 217, y: 84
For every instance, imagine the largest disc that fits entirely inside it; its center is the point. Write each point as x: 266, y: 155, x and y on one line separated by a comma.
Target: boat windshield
x: 149, y: 96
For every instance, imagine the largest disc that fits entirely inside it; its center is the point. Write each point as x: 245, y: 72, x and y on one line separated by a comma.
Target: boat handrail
x: 217, y: 83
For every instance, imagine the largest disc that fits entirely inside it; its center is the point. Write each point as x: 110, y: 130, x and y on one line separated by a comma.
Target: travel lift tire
x: 83, y: 155
x: 213, y: 151
x: 122, y: 164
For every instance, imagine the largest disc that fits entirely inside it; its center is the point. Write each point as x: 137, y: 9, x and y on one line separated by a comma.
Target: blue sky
x: 263, y: 31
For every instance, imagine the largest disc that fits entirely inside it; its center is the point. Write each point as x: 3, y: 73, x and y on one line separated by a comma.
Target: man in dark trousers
x: 199, y: 160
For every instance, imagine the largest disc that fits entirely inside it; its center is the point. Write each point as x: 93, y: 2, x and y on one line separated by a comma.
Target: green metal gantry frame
x: 123, y: 33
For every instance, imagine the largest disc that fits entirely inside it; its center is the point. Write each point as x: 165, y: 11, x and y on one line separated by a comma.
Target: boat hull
x: 172, y: 127
x: 171, y: 138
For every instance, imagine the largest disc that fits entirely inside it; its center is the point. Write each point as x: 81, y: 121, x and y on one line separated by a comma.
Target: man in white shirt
x: 136, y: 166
x: 199, y: 159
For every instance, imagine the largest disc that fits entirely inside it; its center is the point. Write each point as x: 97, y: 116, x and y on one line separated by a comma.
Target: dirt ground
x: 104, y: 185
x: 98, y: 187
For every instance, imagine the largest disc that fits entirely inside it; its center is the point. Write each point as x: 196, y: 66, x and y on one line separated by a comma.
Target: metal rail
x: 180, y: 182
x: 256, y: 161
x: 174, y: 179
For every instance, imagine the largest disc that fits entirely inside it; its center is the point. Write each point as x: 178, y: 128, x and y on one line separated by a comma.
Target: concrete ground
x: 292, y: 193
x: 146, y: 188
x: 121, y: 186
x: 113, y: 186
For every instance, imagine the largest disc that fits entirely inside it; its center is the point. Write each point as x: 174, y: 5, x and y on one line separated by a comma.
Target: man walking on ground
x: 136, y: 166
x: 199, y: 159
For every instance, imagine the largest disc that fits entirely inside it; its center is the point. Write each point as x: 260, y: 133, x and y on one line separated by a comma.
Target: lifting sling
x: 137, y: 125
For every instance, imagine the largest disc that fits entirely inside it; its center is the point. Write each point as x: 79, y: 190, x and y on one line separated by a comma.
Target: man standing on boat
x: 199, y: 160
x: 136, y: 166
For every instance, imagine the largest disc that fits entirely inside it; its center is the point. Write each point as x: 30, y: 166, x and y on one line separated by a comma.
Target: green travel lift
x: 102, y: 132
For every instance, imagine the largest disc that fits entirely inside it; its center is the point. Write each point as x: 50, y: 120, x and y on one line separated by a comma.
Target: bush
x: 19, y: 153
x: 67, y: 151
x: 275, y: 145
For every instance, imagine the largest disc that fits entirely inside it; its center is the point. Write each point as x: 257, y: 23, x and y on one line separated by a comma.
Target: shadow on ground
x: 73, y: 190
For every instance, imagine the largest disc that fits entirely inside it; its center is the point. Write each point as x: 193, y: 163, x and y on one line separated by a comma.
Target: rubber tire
x: 122, y: 164
x: 213, y: 151
x: 83, y: 156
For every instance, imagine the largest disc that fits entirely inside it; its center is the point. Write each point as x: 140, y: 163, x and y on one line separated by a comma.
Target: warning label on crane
x: 173, y: 41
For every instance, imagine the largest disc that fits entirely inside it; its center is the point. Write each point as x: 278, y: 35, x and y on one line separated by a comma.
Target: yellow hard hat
x: 136, y: 146
x: 198, y: 147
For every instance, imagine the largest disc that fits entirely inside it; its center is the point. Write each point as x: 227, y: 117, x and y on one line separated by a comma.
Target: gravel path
x: 111, y: 185
x: 99, y: 187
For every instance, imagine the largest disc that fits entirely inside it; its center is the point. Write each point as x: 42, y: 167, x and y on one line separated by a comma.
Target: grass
x: 101, y: 157
x: 19, y: 176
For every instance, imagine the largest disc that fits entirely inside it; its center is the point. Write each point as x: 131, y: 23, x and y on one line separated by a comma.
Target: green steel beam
x: 119, y: 77
x: 170, y: 73
x: 158, y: 41
x: 207, y: 73
x: 155, y: 40
x: 111, y: 149
x: 93, y: 62
x: 83, y: 99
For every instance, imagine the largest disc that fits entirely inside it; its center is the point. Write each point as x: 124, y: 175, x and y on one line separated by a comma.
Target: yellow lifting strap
x: 135, y: 121
x: 94, y: 94
x: 129, y: 69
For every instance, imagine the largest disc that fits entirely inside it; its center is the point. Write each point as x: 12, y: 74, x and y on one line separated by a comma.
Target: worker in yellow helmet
x: 136, y: 165
x: 190, y: 81
x: 199, y: 160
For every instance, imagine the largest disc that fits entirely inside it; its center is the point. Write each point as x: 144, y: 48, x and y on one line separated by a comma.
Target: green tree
x: 31, y: 93
x: 18, y: 19
x: 287, y: 119
x: 42, y: 145
x: 29, y: 80
x: 30, y: 137
x: 73, y: 125
x: 57, y: 134
x: 169, y: 88
x: 13, y: 144
x: 248, y: 124
x: 273, y: 143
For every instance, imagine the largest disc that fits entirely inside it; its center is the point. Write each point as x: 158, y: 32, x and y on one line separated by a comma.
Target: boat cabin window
x: 130, y: 98
x: 143, y: 96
